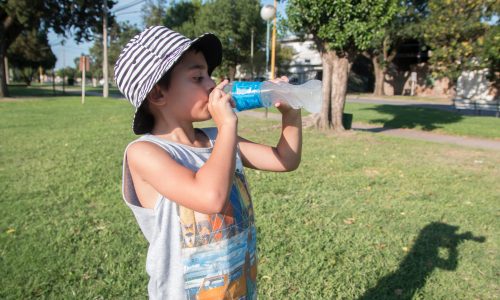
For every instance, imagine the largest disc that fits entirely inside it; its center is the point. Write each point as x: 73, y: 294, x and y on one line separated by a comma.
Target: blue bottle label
x: 246, y: 94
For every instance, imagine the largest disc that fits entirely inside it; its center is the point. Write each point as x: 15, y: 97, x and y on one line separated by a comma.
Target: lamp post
x: 267, y: 13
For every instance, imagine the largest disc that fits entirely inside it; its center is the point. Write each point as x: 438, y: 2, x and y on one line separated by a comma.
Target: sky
x: 67, y: 53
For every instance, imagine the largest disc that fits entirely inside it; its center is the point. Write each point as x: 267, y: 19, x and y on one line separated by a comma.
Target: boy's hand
x: 220, y: 106
x: 282, y: 106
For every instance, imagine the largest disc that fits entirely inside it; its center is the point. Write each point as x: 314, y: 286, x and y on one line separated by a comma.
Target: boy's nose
x: 211, y: 85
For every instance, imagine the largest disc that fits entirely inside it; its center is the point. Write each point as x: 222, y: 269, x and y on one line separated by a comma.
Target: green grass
x: 364, y: 215
x: 420, y: 118
x: 425, y: 119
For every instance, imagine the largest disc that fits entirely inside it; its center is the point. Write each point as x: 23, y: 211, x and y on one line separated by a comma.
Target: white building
x: 306, y: 63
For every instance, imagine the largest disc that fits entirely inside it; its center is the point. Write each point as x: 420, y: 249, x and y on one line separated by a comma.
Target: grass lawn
x: 364, y: 217
x: 426, y: 119
x: 420, y: 118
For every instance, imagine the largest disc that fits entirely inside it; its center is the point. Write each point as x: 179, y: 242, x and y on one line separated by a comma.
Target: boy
x: 185, y: 185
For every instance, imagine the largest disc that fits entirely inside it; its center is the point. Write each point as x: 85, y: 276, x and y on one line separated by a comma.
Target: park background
x: 369, y: 214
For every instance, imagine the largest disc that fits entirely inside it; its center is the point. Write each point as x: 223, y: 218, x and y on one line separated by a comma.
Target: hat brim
x: 211, y: 48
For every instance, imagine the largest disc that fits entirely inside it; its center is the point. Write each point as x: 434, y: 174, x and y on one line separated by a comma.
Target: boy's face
x: 187, y: 96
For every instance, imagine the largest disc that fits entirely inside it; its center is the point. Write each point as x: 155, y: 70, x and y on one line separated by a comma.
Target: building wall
x: 306, y: 60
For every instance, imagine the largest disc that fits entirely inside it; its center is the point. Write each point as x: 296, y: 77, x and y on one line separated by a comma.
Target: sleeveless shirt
x: 192, y: 255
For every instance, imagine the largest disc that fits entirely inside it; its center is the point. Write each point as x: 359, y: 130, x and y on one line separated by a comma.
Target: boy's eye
x: 198, y: 78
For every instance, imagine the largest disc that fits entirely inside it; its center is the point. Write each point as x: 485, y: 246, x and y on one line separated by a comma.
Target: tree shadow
x: 421, y: 260
x: 22, y: 91
x: 412, y: 116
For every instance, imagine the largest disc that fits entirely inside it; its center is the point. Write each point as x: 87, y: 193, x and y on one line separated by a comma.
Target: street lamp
x: 267, y: 14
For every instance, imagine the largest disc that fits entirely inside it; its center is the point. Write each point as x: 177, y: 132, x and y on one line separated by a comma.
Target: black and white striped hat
x: 150, y: 55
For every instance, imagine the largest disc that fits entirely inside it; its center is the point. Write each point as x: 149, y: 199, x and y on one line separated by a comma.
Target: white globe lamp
x: 267, y: 13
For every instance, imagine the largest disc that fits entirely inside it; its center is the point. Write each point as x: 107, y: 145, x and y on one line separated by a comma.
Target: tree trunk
x: 341, y: 68
x: 232, y: 72
x: 379, y: 70
x: 380, y: 65
x: 335, y: 74
x: 325, y: 120
x: 4, y: 92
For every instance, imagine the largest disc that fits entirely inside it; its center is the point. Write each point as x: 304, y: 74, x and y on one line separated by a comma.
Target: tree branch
x: 7, y: 22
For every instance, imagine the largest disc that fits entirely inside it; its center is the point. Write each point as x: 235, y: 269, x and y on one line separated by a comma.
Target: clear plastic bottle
x: 252, y: 94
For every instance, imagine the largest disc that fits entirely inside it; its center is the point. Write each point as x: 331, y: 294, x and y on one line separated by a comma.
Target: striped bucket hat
x: 150, y: 55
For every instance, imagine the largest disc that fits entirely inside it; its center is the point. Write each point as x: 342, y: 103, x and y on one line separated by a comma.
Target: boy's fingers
x: 221, y: 85
x: 226, y: 98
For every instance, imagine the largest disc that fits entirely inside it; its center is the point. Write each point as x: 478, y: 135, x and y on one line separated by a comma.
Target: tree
x: 405, y: 25
x: 153, y: 12
x: 340, y: 30
x: 232, y: 21
x: 29, y: 52
x: 491, y: 53
x: 456, y: 32
x: 68, y: 73
x: 82, y: 17
x: 181, y: 17
x: 119, y: 35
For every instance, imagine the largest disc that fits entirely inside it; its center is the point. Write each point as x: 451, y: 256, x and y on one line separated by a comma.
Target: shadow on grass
x: 410, y: 116
x: 20, y: 91
x: 422, y: 259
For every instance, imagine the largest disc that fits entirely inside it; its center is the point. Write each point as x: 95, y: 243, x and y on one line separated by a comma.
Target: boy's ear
x: 156, y: 95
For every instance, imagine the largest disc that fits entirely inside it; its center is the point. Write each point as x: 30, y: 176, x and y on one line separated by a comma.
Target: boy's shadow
x: 418, y: 265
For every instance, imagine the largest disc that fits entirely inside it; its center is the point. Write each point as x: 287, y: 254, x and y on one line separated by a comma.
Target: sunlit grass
x: 362, y: 212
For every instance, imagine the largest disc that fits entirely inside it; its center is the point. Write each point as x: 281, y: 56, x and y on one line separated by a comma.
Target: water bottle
x: 252, y: 94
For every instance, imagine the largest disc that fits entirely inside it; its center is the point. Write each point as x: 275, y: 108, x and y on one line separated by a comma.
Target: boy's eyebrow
x: 197, y: 66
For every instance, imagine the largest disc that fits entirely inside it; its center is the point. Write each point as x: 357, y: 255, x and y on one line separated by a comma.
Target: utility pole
x: 105, y: 90
x: 64, y: 64
x: 53, y: 81
x: 273, y: 47
x: 251, y: 54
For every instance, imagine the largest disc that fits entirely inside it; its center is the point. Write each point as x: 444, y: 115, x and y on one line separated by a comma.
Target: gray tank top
x: 193, y: 255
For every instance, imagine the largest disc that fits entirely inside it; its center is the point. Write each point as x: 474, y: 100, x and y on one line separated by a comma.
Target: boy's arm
x: 206, y: 190
x: 286, y: 155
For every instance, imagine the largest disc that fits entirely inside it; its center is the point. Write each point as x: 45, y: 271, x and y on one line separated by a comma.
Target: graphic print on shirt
x: 219, y: 250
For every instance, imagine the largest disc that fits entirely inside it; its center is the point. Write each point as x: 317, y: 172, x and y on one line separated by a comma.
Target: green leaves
x: 344, y: 26
x: 456, y: 31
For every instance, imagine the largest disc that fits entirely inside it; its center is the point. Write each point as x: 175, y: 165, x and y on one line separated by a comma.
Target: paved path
x: 431, y: 136
x: 407, y: 133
